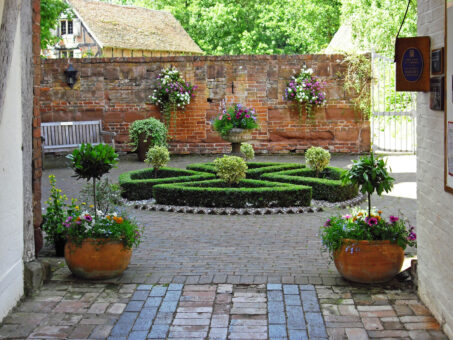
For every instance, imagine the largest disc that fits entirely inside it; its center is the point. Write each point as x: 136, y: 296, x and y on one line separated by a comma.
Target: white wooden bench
x: 63, y: 136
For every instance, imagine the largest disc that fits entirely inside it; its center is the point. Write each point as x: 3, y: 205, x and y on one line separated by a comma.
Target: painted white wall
x: 11, y: 184
x: 435, y: 213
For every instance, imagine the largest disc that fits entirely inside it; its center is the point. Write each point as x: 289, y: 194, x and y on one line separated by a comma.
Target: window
x: 66, y: 27
x: 67, y: 54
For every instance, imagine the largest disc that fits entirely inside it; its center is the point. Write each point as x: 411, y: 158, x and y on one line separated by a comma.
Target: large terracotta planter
x: 369, y: 261
x: 236, y: 137
x: 97, y: 260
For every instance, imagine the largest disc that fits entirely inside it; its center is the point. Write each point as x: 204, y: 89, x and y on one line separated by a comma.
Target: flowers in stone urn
x: 236, y: 116
x: 307, y: 91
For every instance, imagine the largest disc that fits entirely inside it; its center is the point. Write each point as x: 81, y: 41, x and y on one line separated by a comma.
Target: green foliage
x: 236, y: 116
x: 370, y: 174
x: 230, y: 169
x: 50, y: 14
x: 357, y: 79
x: 108, y: 195
x: 92, y: 162
x: 247, y: 193
x: 327, y: 187
x: 152, y: 130
x: 157, y: 156
x: 56, y: 213
x: 172, y: 93
x: 317, y: 159
x: 253, y: 26
x: 138, y: 185
x: 102, y: 227
x: 247, y: 151
x: 375, y: 23
x: 254, y: 171
x: 360, y: 225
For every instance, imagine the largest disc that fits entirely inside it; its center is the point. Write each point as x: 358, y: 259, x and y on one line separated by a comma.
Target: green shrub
x: 247, y: 193
x: 247, y: 151
x: 138, y: 184
x: 370, y: 174
x: 230, y: 169
x: 317, y: 159
x: 327, y: 187
x: 152, y: 129
x: 254, y: 171
x: 157, y: 156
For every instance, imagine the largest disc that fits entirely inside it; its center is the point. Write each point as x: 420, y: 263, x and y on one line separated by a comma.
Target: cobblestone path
x: 224, y: 311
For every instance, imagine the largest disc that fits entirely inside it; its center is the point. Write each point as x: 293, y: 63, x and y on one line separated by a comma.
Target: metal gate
x: 393, y: 120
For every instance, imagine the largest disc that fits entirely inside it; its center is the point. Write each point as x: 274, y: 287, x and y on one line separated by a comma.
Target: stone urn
x: 236, y: 136
x: 369, y: 261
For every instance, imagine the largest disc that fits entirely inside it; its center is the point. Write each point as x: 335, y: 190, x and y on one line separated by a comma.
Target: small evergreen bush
x: 247, y: 150
x: 317, y: 159
x: 158, y: 157
x: 230, y: 169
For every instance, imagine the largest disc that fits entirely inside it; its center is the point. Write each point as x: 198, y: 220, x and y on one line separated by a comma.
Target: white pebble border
x: 317, y: 206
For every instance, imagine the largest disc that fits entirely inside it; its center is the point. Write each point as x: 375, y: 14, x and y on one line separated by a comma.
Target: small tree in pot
x: 147, y: 133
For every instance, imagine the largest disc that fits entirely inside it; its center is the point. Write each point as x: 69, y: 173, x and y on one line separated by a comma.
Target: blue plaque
x: 412, y: 64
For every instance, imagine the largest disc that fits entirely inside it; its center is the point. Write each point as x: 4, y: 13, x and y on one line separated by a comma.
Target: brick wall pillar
x: 37, y: 155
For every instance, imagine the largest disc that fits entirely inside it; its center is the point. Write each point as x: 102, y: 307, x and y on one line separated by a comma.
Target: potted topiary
x: 99, y: 243
x: 365, y: 246
x: 146, y: 133
x: 235, y: 125
x: 158, y: 157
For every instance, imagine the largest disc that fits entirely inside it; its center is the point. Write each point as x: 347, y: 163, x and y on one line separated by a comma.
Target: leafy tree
x: 375, y: 23
x: 50, y: 12
x: 254, y: 26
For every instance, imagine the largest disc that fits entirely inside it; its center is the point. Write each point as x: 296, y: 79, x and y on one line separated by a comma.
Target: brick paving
x: 225, y: 277
x: 220, y: 311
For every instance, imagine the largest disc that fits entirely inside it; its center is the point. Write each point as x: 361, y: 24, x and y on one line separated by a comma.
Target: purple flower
x: 372, y: 221
x: 393, y: 219
x: 412, y: 236
x: 247, y: 116
x: 347, y: 216
x: 327, y: 223
x: 88, y: 218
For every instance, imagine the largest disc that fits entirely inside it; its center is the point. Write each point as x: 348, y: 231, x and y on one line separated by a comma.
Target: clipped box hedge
x: 328, y: 187
x: 138, y: 184
x: 254, y: 171
x: 248, y: 193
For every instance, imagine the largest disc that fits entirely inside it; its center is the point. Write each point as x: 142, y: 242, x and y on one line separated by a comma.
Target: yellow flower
x: 83, y: 203
x: 108, y: 217
x: 91, y: 206
x: 76, y: 207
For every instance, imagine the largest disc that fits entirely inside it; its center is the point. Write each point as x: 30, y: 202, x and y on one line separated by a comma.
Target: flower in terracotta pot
x: 58, y: 210
x: 367, y: 247
x: 235, y: 117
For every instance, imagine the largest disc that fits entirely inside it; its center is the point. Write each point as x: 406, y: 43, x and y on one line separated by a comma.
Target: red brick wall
x: 115, y: 90
x: 37, y: 158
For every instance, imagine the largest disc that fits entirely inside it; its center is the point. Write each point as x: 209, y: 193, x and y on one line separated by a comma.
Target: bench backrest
x: 66, y: 135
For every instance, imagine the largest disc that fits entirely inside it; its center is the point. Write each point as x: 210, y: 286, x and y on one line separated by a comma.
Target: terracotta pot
x: 369, y: 261
x: 142, y: 147
x: 97, y: 259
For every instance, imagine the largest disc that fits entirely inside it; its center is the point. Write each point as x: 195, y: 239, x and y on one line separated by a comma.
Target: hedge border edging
x: 256, y: 193
x: 329, y: 189
x: 142, y: 188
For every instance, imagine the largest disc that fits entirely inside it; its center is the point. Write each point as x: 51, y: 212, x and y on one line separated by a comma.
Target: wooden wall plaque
x: 412, y: 57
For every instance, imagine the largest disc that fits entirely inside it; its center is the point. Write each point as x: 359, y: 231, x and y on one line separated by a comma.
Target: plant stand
x: 236, y: 137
